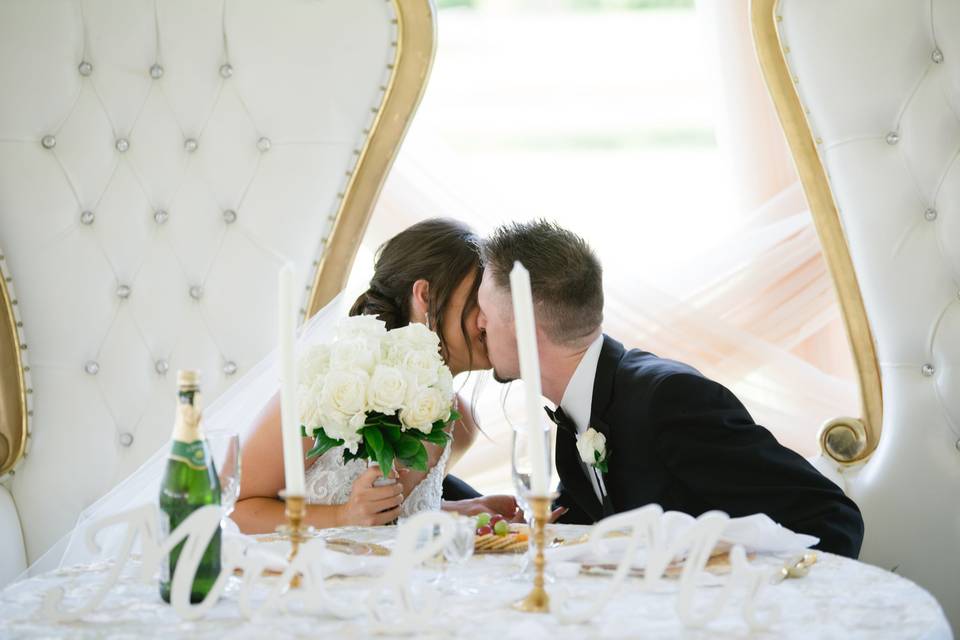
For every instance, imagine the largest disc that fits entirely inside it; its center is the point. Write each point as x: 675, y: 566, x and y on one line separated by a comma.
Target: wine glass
x: 455, y: 553
x: 460, y: 547
x: 225, y: 449
x: 522, y: 470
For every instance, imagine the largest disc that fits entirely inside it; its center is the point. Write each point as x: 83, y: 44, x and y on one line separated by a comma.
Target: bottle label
x: 191, y: 454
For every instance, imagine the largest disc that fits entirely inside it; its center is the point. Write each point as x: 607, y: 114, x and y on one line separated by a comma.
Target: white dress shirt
x: 577, y: 403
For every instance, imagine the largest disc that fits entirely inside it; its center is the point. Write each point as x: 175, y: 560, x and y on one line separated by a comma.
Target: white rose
x: 393, y: 349
x: 361, y: 327
x: 353, y: 353
x: 314, y: 363
x: 426, y: 407
x: 387, y: 389
x: 589, y: 443
x: 308, y: 403
x: 417, y: 335
x: 357, y: 421
x: 326, y: 403
x: 423, y: 365
x: 444, y: 381
x: 345, y: 391
x: 341, y: 426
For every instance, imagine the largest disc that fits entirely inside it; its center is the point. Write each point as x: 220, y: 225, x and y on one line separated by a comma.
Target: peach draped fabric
x: 755, y: 311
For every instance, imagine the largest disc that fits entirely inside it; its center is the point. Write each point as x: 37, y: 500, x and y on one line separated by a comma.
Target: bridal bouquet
x: 377, y: 393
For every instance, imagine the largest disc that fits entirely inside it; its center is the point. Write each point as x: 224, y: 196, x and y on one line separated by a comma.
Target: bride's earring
x: 427, y: 320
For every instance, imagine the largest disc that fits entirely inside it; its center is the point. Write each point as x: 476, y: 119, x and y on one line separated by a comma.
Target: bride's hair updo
x: 441, y: 251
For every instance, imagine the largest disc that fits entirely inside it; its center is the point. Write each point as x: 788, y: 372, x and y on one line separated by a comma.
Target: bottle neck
x: 187, y: 426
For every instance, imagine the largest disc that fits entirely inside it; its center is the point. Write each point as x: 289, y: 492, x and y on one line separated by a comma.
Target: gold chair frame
x: 845, y: 440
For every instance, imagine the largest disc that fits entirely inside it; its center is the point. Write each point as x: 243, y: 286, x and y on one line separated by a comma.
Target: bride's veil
x: 234, y: 411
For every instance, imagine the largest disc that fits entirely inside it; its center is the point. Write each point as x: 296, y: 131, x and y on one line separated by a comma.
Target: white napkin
x: 757, y: 533
x: 274, y: 553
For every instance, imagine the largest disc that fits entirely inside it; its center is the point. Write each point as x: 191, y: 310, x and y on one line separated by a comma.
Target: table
x: 840, y: 598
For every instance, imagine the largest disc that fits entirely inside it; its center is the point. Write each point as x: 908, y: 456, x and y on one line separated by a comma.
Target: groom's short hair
x: 565, y: 275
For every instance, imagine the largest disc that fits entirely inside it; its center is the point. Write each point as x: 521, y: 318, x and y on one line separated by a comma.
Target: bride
x: 428, y: 273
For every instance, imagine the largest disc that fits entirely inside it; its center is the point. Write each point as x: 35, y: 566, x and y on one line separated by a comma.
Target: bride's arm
x: 464, y: 432
x: 259, y: 510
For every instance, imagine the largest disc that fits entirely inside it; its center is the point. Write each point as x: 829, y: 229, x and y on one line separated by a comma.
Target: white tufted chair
x: 869, y: 96
x: 159, y: 159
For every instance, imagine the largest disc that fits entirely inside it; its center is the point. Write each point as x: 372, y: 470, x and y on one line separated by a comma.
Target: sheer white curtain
x: 754, y: 310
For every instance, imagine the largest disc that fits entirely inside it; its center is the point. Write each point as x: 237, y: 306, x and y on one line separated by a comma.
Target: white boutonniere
x: 592, y: 446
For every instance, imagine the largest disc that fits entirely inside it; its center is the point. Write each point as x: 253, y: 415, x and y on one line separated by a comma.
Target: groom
x: 673, y: 437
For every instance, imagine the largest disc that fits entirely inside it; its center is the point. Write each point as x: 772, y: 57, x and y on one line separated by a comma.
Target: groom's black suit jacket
x: 685, y: 442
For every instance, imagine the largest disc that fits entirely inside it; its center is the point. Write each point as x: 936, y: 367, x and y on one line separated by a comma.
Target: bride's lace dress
x: 329, y: 481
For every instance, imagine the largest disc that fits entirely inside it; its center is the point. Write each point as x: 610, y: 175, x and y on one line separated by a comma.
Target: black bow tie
x: 562, y: 420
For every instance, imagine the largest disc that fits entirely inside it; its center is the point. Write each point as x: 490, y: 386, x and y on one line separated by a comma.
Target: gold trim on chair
x: 13, y: 388
x: 845, y: 440
x: 416, y: 41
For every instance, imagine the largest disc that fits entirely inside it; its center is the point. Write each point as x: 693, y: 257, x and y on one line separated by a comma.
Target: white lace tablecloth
x: 839, y: 598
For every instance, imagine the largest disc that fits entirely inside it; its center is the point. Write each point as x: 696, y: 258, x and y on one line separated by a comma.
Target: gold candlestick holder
x: 537, y: 601
x: 295, y: 530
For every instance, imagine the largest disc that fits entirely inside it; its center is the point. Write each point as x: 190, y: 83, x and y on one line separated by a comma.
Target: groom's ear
x: 420, y: 299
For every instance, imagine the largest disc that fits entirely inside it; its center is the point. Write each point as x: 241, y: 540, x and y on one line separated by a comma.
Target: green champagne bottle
x: 189, y: 483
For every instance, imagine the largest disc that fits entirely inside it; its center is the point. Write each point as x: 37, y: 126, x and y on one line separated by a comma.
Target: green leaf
x: 420, y: 461
x: 438, y: 437
x: 412, y: 445
x: 392, y: 433
x: 408, y: 446
x: 322, y: 444
x: 380, y: 449
x: 454, y: 416
x: 374, y: 440
x: 361, y: 454
x: 385, y: 459
x: 601, y: 463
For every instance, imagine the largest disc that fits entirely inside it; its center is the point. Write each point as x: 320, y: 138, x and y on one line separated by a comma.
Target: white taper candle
x: 530, y: 374
x: 289, y: 416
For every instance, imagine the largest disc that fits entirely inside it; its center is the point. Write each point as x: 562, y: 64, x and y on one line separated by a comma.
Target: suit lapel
x: 610, y: 355
x: 574, y: 480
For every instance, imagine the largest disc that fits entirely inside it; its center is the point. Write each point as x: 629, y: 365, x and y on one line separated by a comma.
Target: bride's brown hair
x: 442, y: 251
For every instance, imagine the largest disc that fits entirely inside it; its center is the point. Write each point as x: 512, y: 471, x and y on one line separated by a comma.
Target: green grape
x: 501, y: 528
x: 483, y: 520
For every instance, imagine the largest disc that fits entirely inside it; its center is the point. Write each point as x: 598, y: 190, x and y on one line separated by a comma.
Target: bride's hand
x: 369, y: 505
